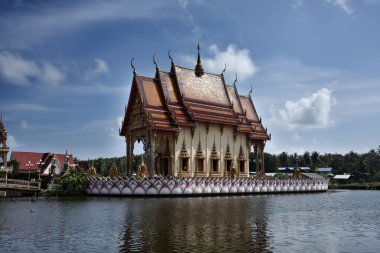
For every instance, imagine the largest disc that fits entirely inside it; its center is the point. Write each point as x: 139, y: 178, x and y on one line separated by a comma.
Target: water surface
x: 336, y: 221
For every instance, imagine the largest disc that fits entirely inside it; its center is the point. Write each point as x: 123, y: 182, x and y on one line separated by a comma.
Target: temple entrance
x: 164, y: 167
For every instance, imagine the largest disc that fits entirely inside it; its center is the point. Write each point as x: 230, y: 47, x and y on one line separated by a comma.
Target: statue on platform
x: 142, y: 170
x: 114, y: 173
x: 297, y: 172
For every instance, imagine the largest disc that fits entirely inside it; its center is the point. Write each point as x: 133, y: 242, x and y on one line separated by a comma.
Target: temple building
x: 192, y: 124
x: 4, y: 149
x: 35, y: 164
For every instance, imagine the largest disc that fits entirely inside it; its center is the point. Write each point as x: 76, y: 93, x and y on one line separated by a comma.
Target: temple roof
x: 34, y: 158
x: 180, y: 98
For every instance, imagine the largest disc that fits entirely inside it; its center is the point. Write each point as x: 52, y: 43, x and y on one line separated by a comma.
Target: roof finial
x: 235, y: 80
x: 224, y: 70
x: 250, y: 92
x: 198, y: 68
x: 170, y: 57
x: 154, y: 61
x: 133, y: 67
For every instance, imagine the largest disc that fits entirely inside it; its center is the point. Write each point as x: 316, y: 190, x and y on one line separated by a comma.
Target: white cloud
x: 28, y: 107
x: 308, y: 112
x: 101, y: 68
x: 238, y: 61
x: 24, y: 125
x: 51, y: 75
x: 19, y: 71
x: 342, y: 4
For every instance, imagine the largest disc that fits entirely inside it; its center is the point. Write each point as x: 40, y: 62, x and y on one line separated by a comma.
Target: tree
x: 283, y: 159
x: 314, y: 159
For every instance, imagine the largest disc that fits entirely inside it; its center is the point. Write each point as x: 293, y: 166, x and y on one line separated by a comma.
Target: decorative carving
x: 214, y: 153
x: 221, y: 129
x: 228, y: 155
x: 176, y: 134
x: 184, y: 153
x: 241, y: 156
x: 200, y: 154
x: 192, y: 132
x: 207, y: 127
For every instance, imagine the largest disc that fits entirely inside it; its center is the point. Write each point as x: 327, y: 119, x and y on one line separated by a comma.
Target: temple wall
x: 207, y: 139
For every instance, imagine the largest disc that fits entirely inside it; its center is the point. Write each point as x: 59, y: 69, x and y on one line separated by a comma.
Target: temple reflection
x: 217, y: 224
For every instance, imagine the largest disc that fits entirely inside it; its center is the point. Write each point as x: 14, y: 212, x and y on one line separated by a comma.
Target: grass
x: 357, y: 186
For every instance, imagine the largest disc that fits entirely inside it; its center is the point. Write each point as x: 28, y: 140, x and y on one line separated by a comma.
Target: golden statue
x: 142, y: 170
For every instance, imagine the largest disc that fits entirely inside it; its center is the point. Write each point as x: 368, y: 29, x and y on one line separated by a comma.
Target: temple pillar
x: 262, y: 159
x: 150, y: 153
x: 257, y: 159
x: 129, y: 154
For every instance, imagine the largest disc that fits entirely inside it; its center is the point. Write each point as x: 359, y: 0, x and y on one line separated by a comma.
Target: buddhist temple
x: 192, y: 124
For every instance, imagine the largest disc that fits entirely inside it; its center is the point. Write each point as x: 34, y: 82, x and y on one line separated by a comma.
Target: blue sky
x: 314, y: 66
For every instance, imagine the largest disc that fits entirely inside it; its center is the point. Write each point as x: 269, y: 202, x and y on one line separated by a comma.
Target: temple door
x: 164, y: 166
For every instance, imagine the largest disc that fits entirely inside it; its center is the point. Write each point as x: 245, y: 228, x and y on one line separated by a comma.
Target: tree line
x: 363, y: 167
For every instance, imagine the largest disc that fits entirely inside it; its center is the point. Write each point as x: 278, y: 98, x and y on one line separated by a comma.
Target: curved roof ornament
x: 199, y: 68
x: 235, y: 80
x: 133, y: 67
x: 250, y: 92
x: 154, y: 61
x: 170, y: 57
x: 224, y: 70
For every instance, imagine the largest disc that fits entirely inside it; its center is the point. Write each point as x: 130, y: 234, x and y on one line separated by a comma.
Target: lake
x: 334, y: 221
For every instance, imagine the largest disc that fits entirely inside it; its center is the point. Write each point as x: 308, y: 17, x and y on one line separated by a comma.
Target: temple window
x: 185, y: 164
x: 241, y: 166
x: 200, y: 165
x: 215, y: 165
x: 228, y: 165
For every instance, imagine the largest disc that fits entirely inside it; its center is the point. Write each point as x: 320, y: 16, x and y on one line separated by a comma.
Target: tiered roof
x: 184, y: 97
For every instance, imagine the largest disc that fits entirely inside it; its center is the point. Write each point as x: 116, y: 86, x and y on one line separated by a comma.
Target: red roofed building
x: 192, y: 124
x: 33, y: 163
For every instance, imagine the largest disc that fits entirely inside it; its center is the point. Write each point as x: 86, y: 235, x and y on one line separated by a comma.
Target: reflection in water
x: 336, y: 221
x: 222, y: 224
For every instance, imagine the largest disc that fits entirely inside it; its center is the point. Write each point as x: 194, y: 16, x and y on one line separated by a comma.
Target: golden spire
x: 198, y: 68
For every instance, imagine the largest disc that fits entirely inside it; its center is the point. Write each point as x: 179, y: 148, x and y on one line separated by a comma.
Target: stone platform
x: 201, y: 186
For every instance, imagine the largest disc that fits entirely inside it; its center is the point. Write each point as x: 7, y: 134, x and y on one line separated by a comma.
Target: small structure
x: 289, y: 170
x: 312, y: 176
x: 342, y: 179
x: 34, y: 164
x: 325, y: 171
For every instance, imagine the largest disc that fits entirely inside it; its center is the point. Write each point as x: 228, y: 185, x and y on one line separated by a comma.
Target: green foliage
x: 281, y: 175
x: 72, y: 182
x: 16, y: 168
x: 363, y: 167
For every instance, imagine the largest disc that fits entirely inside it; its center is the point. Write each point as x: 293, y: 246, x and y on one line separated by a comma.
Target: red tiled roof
x: 180, y: 98
x: 34, y: 158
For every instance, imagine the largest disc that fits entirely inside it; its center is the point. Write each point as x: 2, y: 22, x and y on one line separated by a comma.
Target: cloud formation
x: 238, y: 61
x: 19, y: 71
x: 308, y: 112
x: 101, y: 68
x: 342, y: 4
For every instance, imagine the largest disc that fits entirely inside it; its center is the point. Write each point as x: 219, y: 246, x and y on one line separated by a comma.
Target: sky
x: 65, y: 72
